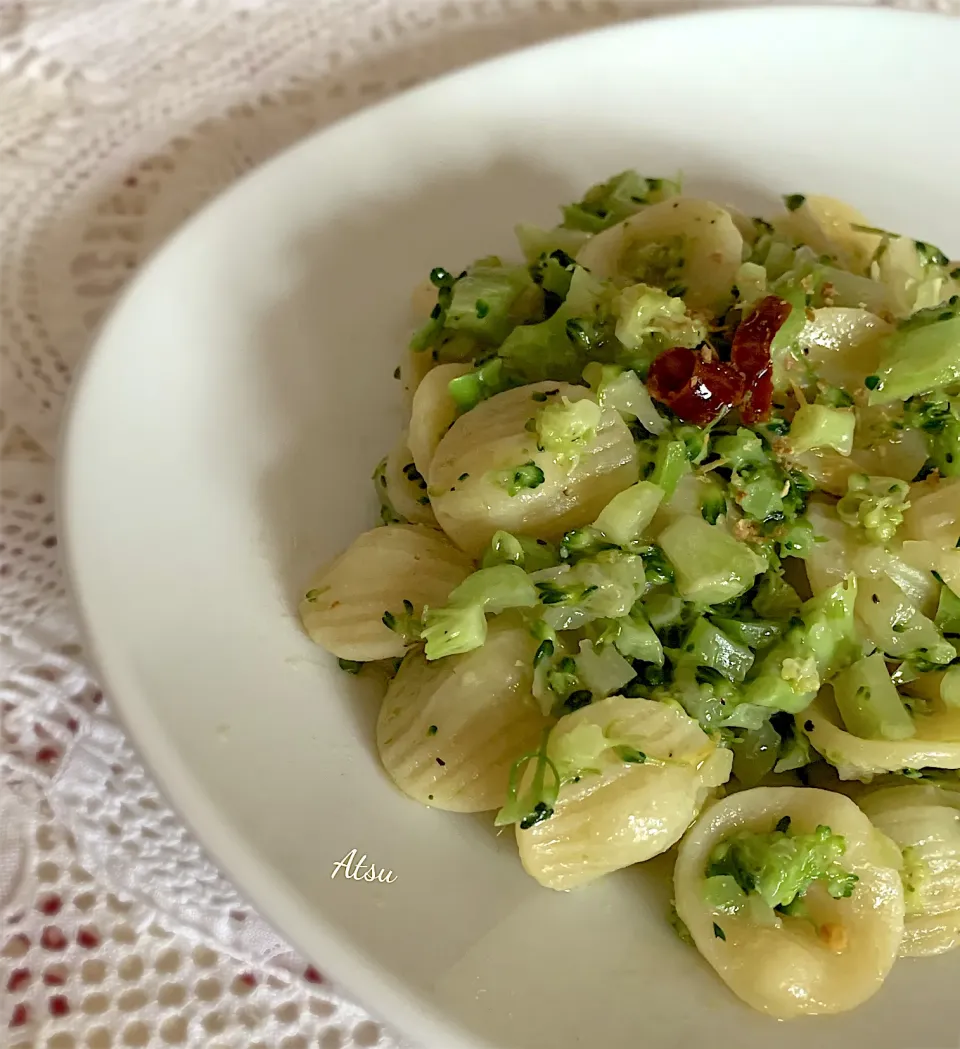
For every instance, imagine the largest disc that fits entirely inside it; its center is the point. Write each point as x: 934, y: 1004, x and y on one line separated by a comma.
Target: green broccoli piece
x: 532, y: 555
x: 559, y: 347
x: 651, y: 320
x: 781, y: 866
x: 537, y: 243
x: 564, y: 428
x: 430, y: 333
x: 822, y: 640
x: 553, y: 272
x: 875, y: 504
x: 481, y: 300
x: 923, y: 354
x: 484, y: 381
x: 710, y: 566
x: 583, y: 542
x: 461, y: 625
x: 453, y: 630
x: 708, y: 646
x: 757, y: 483
x: 669, y: 465
x: 621, y: 388
x: 607, y: 203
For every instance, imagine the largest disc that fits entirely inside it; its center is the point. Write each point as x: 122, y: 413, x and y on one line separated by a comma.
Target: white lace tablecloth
x: 118, y: 118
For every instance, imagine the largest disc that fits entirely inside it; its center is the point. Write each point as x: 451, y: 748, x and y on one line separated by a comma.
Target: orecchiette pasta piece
x: 450, y: 730
x: 704, y: 241
x: 934, y: 512
x: 433, y: 413
x: 924, y: 822
x: 899, y: 453
x: 344, y: 603
x: 839, y: 550
x: 467, y: 475
x: 829, y: 226
x: 843, y: 344
x: 832, y: 959
x: 856, y: 758
x: 406, y: 488
x: 620, y: 811
x: 416, y: 365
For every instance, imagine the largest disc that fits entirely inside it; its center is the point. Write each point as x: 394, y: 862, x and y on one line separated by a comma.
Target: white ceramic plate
x: 221, y: 445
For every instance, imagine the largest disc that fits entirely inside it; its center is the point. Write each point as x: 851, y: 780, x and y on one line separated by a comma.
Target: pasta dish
x: 668, y: 557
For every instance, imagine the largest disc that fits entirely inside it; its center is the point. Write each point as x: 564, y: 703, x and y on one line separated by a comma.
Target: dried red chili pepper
x: 695, y: 390
x: 750, y: 355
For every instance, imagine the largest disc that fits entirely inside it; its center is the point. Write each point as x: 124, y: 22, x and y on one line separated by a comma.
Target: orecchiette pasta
x: 345, y: 601
x: 433, y: 413
x: 621, y: 812
x: 934, y: 512
x: 924, y: 822
x: 830, y: 226
x: 417, y: 364
x: 830, y: 959
x: 406, y: 489
x: 707, y: 244
x: 856, y: 758
x: 468, y: 494
x: 843, y: 344
x: 450, y: 730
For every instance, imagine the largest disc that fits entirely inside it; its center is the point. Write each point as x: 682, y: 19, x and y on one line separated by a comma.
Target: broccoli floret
x: 781, y: 866
x: 875, y: 504
x: 565, y: 428
x: 553, y: 273
x: 651, y: 320
x: 608, y: 203
x: 453, y: 630
x: 461, y: 626
x: 532, y: 555
x: 429, y: 334
x: 939, y: 420
x: 583, y: 542
x: 580, y: 329
x: 821, y: 641
x: 621, y: 388
x: 757, y: 483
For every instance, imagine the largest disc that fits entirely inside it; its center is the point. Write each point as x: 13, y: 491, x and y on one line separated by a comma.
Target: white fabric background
x: 118, y: 118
